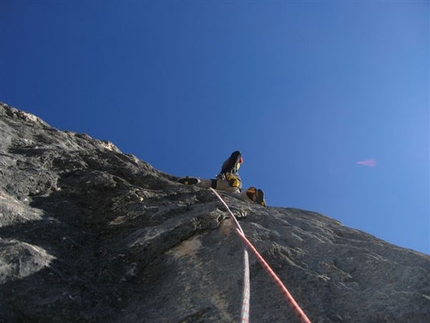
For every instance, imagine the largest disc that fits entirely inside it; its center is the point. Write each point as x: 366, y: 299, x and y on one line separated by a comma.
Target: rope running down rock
x: 246, y: 292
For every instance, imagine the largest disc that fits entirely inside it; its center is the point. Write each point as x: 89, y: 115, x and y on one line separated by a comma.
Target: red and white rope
x: 246, y: 291
x: 246, y: 294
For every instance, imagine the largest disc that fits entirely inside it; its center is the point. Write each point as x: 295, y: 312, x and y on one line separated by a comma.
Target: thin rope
x: 246, y: 288
x: 289, y: 298
x: 246, y: 294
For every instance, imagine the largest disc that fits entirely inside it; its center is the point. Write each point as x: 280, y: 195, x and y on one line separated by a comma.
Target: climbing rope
x: 246, y: 291
x: 246, y: 288
x: 246, y: 294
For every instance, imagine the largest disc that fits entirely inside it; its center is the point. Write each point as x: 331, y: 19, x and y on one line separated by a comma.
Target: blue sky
x: 305, y: 89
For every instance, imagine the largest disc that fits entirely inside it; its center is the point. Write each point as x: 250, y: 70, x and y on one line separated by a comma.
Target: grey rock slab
x: 89, y: 234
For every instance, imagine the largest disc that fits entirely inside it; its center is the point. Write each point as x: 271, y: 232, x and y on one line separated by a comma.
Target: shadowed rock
x: 88, y: 234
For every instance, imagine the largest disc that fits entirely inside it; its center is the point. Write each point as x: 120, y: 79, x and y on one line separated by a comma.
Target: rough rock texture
x: 88, y: 234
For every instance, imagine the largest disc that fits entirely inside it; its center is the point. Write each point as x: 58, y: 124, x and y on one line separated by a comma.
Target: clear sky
x: 305, y: 89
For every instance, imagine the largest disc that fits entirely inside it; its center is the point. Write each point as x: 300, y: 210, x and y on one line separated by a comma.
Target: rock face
x: 88, y: 234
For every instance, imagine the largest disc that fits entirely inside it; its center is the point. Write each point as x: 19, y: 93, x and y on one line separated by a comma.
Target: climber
x: 229, y: 180
x: 230, y: 170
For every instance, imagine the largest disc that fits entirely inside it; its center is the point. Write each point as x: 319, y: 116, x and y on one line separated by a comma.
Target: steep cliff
x: 88, y: 234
